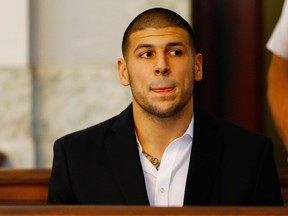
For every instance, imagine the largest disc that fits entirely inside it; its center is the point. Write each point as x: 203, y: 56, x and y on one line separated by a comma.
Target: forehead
x: 158, y: 35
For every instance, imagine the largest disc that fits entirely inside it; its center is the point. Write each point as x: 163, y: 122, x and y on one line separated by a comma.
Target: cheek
x: 189, y: 83
x: 187, y: 74
x: 139, y: 74
x: 138, y: 81
x: 188, y: 79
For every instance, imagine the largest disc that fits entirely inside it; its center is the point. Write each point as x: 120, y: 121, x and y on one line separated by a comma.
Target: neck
x: 156, y: 133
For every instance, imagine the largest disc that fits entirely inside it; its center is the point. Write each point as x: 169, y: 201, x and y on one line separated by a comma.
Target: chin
x: 162, y: 112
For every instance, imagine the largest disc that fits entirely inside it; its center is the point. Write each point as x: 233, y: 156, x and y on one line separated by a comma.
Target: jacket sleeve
x: 267, y: 188
x: 60, y: 190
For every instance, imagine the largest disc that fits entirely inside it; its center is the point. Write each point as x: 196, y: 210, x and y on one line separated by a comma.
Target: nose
x: 162, y: 65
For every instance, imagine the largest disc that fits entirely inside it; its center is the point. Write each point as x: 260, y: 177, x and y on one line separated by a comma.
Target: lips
x: 163, y: 89
x: 162, y: 86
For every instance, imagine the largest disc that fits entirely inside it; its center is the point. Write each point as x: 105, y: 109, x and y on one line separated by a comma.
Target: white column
x: 14, y: 37
x: 15, y: 84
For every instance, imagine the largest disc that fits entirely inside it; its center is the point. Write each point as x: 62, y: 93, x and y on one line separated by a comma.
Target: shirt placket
x: 164, y: 175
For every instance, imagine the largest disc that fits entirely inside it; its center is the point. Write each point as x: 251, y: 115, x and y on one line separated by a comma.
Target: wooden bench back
x: 141, y: 211
x: 30, y: 186
x: 25, y: 187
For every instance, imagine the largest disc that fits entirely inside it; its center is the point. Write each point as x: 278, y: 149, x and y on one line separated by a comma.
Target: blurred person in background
x: 278, y: 75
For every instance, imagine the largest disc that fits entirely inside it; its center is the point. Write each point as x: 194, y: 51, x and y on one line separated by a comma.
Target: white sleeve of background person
x: 278, y: 42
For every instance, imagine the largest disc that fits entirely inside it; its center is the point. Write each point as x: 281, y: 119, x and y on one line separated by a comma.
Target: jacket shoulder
x: 230, y: 131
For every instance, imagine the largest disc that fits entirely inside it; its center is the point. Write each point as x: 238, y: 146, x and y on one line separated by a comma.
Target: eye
x: 146, y: 55
x: 175, y: 52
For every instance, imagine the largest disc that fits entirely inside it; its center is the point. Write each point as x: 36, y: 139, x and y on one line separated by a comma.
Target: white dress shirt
x: 166, y: 187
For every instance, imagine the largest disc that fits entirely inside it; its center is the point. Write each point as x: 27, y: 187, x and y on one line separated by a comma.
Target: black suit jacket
x: 101, y: 165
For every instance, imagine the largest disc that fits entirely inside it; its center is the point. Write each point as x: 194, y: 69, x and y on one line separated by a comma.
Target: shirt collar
x: 190, y: 129
x: 189, y: 132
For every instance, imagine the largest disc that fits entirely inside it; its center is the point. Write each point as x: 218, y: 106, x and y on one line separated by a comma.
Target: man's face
x: 160, y: 69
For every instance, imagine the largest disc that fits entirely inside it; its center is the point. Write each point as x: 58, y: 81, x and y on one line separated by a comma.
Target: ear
x: 198, y: 72
x: 123, y: 72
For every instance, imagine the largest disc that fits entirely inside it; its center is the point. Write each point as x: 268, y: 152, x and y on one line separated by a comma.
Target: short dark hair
x: 157, y: 18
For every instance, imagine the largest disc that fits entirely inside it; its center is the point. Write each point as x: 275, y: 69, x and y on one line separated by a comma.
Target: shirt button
x: 162, y: 190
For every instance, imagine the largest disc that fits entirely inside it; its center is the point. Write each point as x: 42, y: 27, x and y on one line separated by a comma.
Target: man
x: 278, y: 75
x: 162, y: 150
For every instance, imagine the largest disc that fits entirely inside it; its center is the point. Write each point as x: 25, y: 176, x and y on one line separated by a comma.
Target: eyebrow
x: 171, y: 44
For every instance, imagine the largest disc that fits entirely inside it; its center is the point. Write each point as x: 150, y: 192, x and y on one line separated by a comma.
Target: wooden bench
x: 141, y: 211
x: 283, y: 178
x: 30, y: 187
x: 25, y: 187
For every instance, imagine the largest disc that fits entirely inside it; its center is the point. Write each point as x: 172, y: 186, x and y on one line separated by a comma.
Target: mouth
x: 163, y: 90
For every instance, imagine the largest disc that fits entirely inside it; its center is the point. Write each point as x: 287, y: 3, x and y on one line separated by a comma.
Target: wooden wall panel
x: 229, y: 35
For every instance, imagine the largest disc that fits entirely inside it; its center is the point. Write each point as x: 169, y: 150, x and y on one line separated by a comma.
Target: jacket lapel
x: 125, y: 161
x: 205, y: 158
